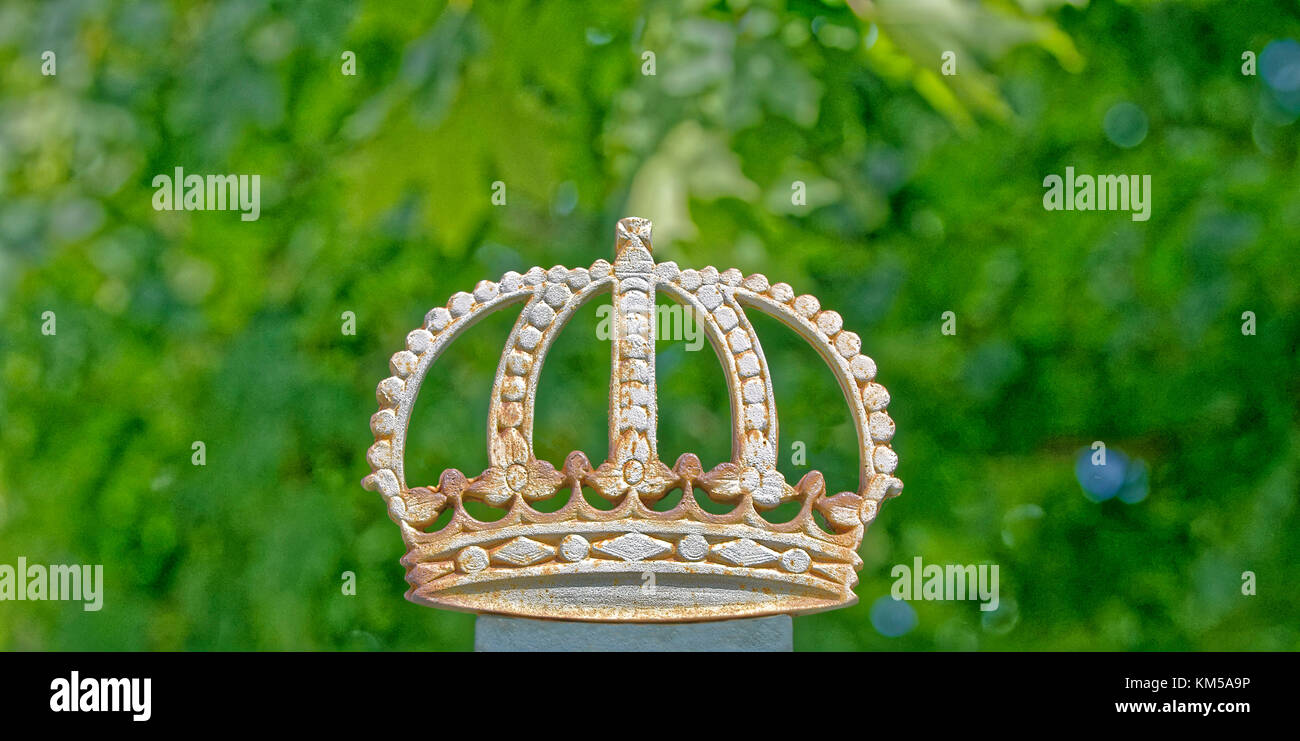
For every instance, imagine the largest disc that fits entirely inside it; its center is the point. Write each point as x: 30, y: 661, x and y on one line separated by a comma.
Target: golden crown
x: 632, y: 562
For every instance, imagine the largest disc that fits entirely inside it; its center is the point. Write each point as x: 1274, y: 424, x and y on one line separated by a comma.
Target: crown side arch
x: 514, y: 392
x: 749, y: 385
x: 854, y: 372
x: 742, y: 449
x: 397, y: 393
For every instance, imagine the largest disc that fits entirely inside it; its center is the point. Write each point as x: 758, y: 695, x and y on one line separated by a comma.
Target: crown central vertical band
x: 632, y: 411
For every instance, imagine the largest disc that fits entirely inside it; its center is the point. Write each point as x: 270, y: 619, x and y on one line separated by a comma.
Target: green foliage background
x: 924, y: 196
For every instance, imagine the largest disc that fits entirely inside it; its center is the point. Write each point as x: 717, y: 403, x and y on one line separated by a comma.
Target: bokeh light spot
x: 1279, y: 64
x: 892, y: 617
x: 1100, y: 480
x: 1125, y: 125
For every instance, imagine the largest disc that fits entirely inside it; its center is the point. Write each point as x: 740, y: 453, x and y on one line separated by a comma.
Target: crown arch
x: 754, y: 427
x: 855, y: 373
x: 512, y: 407
x: 397, y: 393
x: 744, y: 366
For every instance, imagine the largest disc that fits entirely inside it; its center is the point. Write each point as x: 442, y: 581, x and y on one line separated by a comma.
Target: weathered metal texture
x: 631, y: 562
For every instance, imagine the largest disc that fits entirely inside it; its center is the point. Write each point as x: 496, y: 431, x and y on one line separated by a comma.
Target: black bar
x: 835, y: 692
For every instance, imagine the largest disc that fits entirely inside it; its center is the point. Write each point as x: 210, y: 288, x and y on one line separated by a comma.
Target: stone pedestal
x: 497, y: 633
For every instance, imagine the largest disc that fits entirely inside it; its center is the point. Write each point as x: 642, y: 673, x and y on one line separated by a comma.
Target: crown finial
x: 632, y: 231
